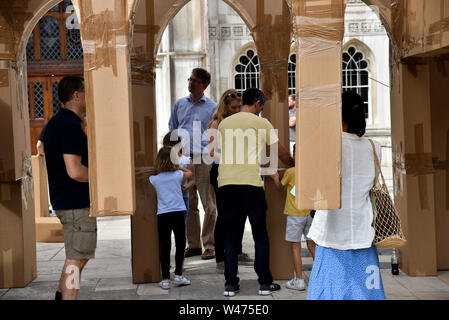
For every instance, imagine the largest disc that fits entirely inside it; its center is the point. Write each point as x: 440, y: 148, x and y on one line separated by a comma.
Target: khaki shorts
x: 80, y: 233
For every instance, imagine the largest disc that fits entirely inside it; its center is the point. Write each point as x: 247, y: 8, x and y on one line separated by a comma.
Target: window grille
x: 292, y: 74
x: 356, y: 74
x: 247, y: 71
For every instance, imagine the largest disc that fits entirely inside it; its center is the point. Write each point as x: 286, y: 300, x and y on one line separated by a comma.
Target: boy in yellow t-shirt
x: 298, y: 223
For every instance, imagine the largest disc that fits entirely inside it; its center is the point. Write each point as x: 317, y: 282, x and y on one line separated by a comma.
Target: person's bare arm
x: 213, y: 143
x: 192, y: 182
x: 40, y: 148
x: 75, y: 169
x: 277, y: 182
x: 285, y: 156
x: 292, y: 122
x: 187, y: 173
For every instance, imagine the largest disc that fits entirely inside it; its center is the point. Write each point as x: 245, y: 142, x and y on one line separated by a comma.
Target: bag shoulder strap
x: 377, y: 165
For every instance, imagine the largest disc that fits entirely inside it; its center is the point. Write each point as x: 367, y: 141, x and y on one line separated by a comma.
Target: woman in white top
x: 346, y: 266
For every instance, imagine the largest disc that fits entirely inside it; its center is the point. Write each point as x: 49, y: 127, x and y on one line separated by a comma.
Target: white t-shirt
x: 169, y: 192
x: 350, y: 227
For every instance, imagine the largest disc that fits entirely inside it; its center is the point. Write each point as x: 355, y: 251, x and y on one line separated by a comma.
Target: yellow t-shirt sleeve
x: 286, y: 178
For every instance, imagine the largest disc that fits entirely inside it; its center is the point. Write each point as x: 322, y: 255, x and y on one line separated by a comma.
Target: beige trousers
x: 207, y: 195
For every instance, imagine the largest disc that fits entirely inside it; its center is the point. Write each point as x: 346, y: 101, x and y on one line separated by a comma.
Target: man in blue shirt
x: 192, y: 114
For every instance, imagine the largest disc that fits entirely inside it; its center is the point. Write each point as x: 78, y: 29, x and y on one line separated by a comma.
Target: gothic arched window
x: 356, y: 74
x: 292, y: 74
x: 247, y: 71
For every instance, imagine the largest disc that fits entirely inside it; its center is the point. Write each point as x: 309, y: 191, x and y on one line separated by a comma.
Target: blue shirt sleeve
x: 174, y: 123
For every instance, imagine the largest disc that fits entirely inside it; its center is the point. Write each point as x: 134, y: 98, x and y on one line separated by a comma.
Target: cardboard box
x: 105, y: 37
x: 41, y: 201
x: 14, y: 128
x: 17, y: 234
x: 49, y: 229
x: 319, y: 31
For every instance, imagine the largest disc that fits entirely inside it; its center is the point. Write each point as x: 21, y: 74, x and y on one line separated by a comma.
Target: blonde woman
x: 229, y: 104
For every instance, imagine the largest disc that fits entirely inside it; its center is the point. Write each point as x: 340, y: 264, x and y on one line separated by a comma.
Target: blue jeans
x: 239, y: 202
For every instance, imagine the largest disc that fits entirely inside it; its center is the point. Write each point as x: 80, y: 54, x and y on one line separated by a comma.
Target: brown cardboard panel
x: 144, y: 234
x: 14, y: 129
x: 319, y: 32
x: 439, y: 82
x: 411, y: 135
x: 17, y: 236
x: 281, y: 263
x: 41, y: 202
x: 424, y: 26
x: 105, y: 36
x: 49, y: 229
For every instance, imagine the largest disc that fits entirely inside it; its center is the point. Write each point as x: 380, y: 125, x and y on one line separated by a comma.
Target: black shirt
x: 64, y: 134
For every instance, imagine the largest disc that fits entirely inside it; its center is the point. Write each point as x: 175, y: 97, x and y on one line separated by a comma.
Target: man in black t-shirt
x: 65, y: 146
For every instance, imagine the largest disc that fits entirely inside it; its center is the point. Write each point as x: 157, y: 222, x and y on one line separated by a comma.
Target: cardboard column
x: 145, y: 243
x: 319, y: 32
x: 439, y: 97
x: 272, y: 35
x: 413, y: 171
x: 18, y: 266
x: 17, y: 229
x: 105, y: 30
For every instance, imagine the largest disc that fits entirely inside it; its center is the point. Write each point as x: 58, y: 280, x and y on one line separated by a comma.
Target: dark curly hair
x: 353, y: 113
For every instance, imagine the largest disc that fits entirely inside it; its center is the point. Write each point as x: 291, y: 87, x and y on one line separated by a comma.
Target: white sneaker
x: 165, y: 284
x: 181, y: 281
x: 296, y: 284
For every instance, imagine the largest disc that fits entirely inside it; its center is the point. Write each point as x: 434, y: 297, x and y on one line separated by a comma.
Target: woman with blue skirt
x: 346, y: 265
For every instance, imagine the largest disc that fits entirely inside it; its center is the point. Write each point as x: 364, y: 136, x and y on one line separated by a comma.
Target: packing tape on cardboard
x: 320, y: 96
x: 104, y: 35
x: 314, y: 47
x: 325, y: 28
x: 27, y: 183
x: 143, y: 69
x: 273, y: 32
x: 110, y: 204
x: 7, y: 268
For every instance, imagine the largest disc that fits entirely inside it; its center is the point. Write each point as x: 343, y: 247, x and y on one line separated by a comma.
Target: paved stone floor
x: 108, y: 276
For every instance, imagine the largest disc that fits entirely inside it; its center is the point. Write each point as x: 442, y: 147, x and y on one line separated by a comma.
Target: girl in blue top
x: 170, y: 214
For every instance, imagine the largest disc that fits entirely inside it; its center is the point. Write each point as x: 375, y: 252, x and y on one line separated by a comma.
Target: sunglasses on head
x: 234, y: 95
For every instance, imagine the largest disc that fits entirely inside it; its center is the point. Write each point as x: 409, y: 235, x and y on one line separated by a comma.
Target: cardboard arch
x: 169, y: 9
